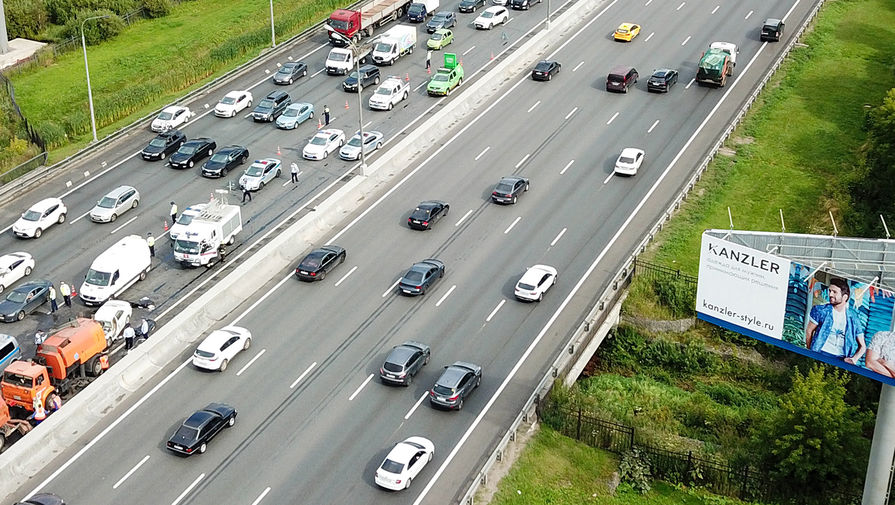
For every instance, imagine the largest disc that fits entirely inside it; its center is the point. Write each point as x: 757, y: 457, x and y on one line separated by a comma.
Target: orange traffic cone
x: 428, y: 70
x: 278, y: 151
x: 319, y: 124
x: 166, y: 225
x: 407, y: 77
x: 346, y: 104
x: 492, y: 55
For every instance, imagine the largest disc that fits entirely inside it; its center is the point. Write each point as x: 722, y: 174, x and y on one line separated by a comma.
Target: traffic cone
x: 278, y: 151
x: 428, y: 70
x: 166, y: 225
x: 492, y: 55
x: 346, y: 104
x: 212, y: 197
x: 407, y: 77
x: 319, y: 124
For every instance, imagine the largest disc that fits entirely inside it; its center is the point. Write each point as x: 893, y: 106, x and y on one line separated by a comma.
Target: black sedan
x: 470, y: 5
x: 545, y: 70
x: 198, y: 429
x: 320, y: 261
x: 421, y: 276
x: 509, y: 188
x: 163, y: 145
x: 192, y: 152
x: 404, y: 362
x: 523, y: 4
x: 24, y: 300
x: 427, y: 213
x: 456, y: 383
x: 289, y: 72
x: 444, y: 19
x: 662, y: 80
x: 224, y: 160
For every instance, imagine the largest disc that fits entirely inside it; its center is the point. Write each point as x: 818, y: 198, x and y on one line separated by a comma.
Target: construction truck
x: 63, y: 362
x: 9, y: 426
x: 362, y: 21
x: 202, y: 240
x: 714, y: 68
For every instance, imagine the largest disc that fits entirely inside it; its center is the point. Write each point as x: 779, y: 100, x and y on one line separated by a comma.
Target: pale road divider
x: 86, y: 410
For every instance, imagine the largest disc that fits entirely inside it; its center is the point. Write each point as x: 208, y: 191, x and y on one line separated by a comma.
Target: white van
x: 115, y: 270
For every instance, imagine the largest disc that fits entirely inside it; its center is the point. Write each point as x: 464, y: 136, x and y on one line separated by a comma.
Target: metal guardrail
x: 598, y: 313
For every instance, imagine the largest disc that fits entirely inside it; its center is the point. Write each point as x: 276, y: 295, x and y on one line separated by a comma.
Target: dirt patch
x: 740, y: 141
x: 726, y: 151
x: 501, y: 468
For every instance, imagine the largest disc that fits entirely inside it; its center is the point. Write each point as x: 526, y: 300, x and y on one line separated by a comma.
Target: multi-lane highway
x: 314, y: 422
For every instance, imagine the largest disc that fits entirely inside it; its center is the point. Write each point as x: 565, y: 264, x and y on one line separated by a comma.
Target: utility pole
x: 4, y: 38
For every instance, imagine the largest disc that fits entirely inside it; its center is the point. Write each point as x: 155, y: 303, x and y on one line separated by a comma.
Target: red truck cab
x: 346, y: 22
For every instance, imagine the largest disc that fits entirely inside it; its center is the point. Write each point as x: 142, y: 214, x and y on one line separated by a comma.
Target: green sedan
x: 444, y: 81
x: 440, y: 38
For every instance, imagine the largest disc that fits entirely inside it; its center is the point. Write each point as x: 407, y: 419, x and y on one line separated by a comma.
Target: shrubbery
x: 97, y: 30
x: 157, y: 8
x: 63, y: 11
x: 25, y: 18
x: 676, y: 294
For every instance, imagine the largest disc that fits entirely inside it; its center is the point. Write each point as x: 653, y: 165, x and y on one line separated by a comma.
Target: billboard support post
x: 882, y: 450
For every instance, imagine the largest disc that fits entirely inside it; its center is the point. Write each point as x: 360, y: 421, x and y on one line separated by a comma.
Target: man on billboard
x: 834, y: 328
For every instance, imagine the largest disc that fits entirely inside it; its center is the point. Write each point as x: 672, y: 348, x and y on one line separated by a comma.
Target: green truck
x: 714, y: 68
x: 447, y: 78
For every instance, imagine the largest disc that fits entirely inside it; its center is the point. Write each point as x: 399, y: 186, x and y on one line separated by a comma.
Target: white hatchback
x: 629, y: 161
x: 404, y: 462
x: 232, y: 103
x: 39, y: 217
x: 220, y: 347
x: 491, y: 17
x: 535, y: 282
x: 13, y: 267
x: 170, y: 118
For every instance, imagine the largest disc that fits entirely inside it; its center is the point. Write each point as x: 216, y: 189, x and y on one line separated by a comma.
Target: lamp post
x: 273, y: 36
x: 360, y: 105
x: 87, y: 71
x: 548, y: 15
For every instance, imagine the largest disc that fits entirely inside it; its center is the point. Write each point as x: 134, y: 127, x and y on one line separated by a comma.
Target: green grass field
x: 152, y: 63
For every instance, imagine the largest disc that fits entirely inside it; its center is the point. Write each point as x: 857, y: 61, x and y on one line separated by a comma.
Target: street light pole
x: 548, y: 15
x: 87, y: 71
x: 273, y: 36
x: 360, y: 105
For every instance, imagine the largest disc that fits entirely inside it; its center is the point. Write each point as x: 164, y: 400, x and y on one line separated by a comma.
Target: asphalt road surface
x: 314, y: 421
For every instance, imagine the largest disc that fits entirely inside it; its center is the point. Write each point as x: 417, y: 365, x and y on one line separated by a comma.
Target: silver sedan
x: 352, y: 150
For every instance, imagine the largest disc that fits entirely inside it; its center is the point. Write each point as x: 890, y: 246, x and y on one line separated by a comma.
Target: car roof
x: 631, y: 151
x: 230, y: 149
x: 402, y: 452
x: 511, y: 178
x: 662, y: 71
x: 199, y: 419
x: 45, y: 204
x: 626, y: 25
x: 173, y: 108
x: 10, y: 258
x: 273, y: 95
x: 452, y: 376
x: 170, y: 133
x: 199, y: 141
x: 533, y: 274
x: 400, y: 354
x: 494, y: 9
x: 291, y: 64
x: 429, y: 204
x: 772, y: 21
x: 265, y: 161
x: 235, y: 94
x: 120, y: 190
x: 214, y: 339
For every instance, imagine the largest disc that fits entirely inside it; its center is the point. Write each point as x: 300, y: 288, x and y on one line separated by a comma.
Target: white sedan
x: 404, y: 463
x: 13, y: 267
x: 260, y: 173
x: 232, y: 103
x: 170, y: 118
x: 39, y: 217
x: 629, y: 161
x: 351, y: 150
x: 491, y: 17
x: 535, y: 282
x: 325, y: 142
x: 220, y: 347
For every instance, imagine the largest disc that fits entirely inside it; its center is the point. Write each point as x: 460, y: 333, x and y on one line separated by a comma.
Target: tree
x: 872, y: 191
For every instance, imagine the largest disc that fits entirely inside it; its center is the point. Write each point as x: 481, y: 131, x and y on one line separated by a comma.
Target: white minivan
x: 115, y: 270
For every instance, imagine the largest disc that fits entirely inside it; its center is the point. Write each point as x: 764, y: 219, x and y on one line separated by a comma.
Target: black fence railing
x: 653, y: 271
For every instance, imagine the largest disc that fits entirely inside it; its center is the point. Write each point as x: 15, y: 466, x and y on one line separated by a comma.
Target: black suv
x: 523, y: 4
x: 470, y: 5
x: 272, y: 106
x: 369, y: 74
x: 772, y: 30
x: 661, y: 80
x: 163, y: 145
x: 404, y: 362
x: 456, y: 383
x: 192, y: 152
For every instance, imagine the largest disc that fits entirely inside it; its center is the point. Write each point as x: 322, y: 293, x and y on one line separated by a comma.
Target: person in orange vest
x: 39, y: 413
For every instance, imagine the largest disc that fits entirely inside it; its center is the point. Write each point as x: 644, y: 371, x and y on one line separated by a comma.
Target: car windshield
x: 338, y: 24
x: 659, y: 76
x: 310, y: 263
x: 16, y: 296
x: 626, y: 160
x: 219, y: 158
x: 439, y: 18
x: 98, y: 278
x: 188, y: 149
x: 437, y: 36
x: 338, y: 56
x: 186, y: 246
x: 413, y: 276
x: 185, y: 218
x: 354, y: 142
x: 523, y: 285
x: 543, y: 66
x: 487, y: 14
x: 382, y: 90
x: 166, y: 116
x: 504, y: 188
x: 31, y: 215
x: 441, y: 77
x: 228, y: 100
x: 285, y: 70
x: 392, y: 466
x: 415, y: 9
x: 204, y: 354
x: 622, y: 30
x: 443, y: 390
x: 187, y: 433
x: 352, y: 75
x: 422, y: 212
x: 254, y: 171
x: 318, y: 141
x: 157, y: 143
x: 383, y: 47
x: 265, y: 104
x: 291, y: 113
x: 393, y: 367
x: 107, y: 202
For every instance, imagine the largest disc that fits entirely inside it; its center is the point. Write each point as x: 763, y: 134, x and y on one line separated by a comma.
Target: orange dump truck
x: 63, y: 362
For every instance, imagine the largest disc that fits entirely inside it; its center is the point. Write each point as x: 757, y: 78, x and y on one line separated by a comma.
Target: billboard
x: 840, y: 321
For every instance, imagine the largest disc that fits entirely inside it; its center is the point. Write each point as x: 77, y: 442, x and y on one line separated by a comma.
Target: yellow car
x: 626, y: 32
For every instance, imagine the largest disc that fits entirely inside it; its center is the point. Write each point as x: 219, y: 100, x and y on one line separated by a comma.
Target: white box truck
x: 393, y: 44
x: 115, y: 270
x: 201, y: 241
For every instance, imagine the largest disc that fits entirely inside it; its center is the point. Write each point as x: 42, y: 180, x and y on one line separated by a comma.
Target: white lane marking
x: 290, y: 178
x: 747, y: 15
x: 361, y: 387
x: 716, y: 9
x: 482, y: 154
x: 303, y: 374
x: 563, y: 232
x: 612, y: 118
x: 416, y: 405
x: 652, y: 127
x: 464, y: 217
x: 188, y: 489
x: 315, y: 74
x: 391, y: 289
x: 574, y: 110
x: 445, y: 296
x: 690, y: 83
x: 125, y: 224
x: 73, y: 221
x: 508, y: 20
x: 261, y: 496
x: 467, y: 51
x: 131, y: 472
x: 648, y: 2
x: 493, y: 312
x: 650, y: 36
x: 512, y: 374
x: 686, y: 40
x: 421, y: 85
x: 577, y: 66
x: 247, y: 365
x: 259, y: 301
x: 512, y: 225
x: 681, y: 6
x: 533, y: 106
x: 368, y: 124
x: 522, y: 160
x: 346, y: 275
x: 569, y: 164
x: 609, y: 177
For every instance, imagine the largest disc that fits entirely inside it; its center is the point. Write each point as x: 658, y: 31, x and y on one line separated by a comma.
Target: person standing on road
x: 65, y: 291
x: 150, y: 241
x: 53, y: 305
x: 246, y: 194
x: 129, y: 335
x: 39, y: 337
x: 173, y: 213
x: 294, y: 172
x: 326, y: 115
x: 428, y: 59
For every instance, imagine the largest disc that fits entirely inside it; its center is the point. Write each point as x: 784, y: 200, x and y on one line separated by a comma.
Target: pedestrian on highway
x: 144, y: 329
x: 428, y: 59
x: 39, y: 337
x: 150, y: 241
x: 294, y: 172
x: 53, y: 305
x: 54, y: 403
x: 129, y: 335
x: 326, y: 115
x: 173, y: 213
x: 246, y: 194
x: 65, y: 291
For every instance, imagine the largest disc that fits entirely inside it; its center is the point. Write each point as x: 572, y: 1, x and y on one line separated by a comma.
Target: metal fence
x: 33, y: 136
x: 653, y: 271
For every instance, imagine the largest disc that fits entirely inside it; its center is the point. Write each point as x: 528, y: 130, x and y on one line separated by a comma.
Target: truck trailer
x: 362, y: 21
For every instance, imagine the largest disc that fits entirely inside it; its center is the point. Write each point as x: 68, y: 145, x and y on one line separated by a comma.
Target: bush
x: 678, y: 295
x: 97, y: 30
x: 25, y: 18
x: 52, y: 133
x: 635, y: 470
x: 63, y: 11
x: 157, y: 8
